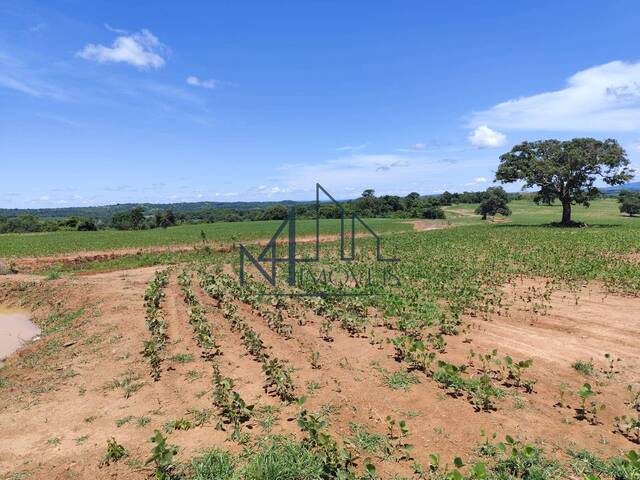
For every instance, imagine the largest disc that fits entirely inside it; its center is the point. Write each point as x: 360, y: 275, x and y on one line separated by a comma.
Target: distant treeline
x: 32, y: 224
x: 104, y: 213
x: 148, y: 216
x: 143, y: 217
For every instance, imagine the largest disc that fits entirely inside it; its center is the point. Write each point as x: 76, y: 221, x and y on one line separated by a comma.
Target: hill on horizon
x: 104, y: 212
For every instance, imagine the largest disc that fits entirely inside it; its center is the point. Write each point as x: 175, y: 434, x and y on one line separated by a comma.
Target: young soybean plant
x: 634, y: 401
x: 162, y: 456
x: 612, y: 370
x: 115, y: 453
x: 325, y: 330
x: 478, y: 471
x: 629, y: 427
x: 515, y: 370
x: 279, y: 379
x: 314, y: 360
x: 588, y: 412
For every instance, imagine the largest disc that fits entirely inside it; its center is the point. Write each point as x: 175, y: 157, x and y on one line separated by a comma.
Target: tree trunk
x: 566, y: 213
x: 484, y: 216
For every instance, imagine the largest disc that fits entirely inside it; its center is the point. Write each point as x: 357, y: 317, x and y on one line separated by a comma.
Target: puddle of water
x: 16, y: 329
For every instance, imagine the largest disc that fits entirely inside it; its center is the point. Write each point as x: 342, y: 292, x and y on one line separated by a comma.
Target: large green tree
x: 565, y: 170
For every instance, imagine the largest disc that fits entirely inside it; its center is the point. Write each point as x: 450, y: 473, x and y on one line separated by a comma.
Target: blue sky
x: 105, y: 102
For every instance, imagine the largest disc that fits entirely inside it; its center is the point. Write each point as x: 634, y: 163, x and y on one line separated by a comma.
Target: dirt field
x: 57, y: 412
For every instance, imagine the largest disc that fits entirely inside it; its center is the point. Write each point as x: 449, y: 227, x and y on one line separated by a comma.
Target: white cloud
x: 115, y: 30
x: 142, y: 50
x: 351, y: 174
x: 484, y: 137
x: 15, y: 84
x: 196, y: 82
x: 476, y: 181
x: 416, y: 147
x: 601, y: 98
x: 17, y: 75
x: 348, y: 148
x: 31, y: 86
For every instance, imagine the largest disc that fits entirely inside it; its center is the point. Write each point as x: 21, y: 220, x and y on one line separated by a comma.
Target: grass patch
x: 32, y: 359
x: 399, y: 380
x: 59, y: 320
x: 584, y: 367
x: 366, y: 441
x: 280, y: 458
x: 127, y: 382
x: 142, y: 421
x: 214, y: 464
x: 200, y: 417
x: 588, y: 465
x: 267, y: 416
x: 193, y: 375
x: 182, y: 358
x: 124, y: 421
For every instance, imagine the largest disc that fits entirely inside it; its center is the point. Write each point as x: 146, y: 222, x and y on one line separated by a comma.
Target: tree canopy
x: 565, y: 170
x: 629, y: 203
x: 494, y: 202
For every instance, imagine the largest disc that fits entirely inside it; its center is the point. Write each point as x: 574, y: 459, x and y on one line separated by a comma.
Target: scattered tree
x: 565, y: 170
x: 629, y: 203
x: 165, y: 219
x: 132, y: 220
x: 433, y: 212
x: 494, y: 201
x: 368, y: 193
x: 87, y: 225
x: 446, y: 198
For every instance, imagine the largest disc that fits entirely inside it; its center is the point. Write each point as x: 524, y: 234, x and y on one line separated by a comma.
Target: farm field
x: 509, y: 346
x: 600, y: 212
x: 51, y: 243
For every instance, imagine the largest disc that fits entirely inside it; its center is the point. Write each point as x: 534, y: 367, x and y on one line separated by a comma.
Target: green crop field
x: 525, y: 212
x: 601, y: 213
x: 50, y: 243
